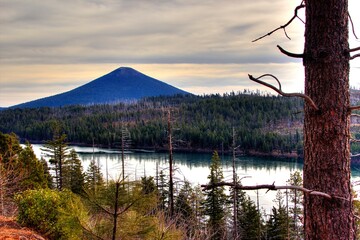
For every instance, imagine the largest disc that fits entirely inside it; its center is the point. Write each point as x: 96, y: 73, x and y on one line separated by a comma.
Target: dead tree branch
x: 352, y: 108
x: 352, y: 26
x: 289, y: 54
x: 354, y: 49
x: 278, y: 90
x: 355, y: 56
x: 284, y: 26
x: 272, y: 187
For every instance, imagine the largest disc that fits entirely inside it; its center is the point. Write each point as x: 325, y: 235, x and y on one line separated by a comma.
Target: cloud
x: 133, y: 31
x: 202, y: 46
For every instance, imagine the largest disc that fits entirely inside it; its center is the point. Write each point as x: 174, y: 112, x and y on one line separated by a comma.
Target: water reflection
x: 194, y: 167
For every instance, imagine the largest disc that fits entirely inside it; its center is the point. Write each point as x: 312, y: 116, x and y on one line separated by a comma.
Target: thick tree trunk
x: 326, y: 142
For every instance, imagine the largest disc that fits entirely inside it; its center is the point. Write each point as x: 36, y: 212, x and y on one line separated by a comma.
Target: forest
x: 72, y: 203
x: 264, y: 123
x: 61, y: 200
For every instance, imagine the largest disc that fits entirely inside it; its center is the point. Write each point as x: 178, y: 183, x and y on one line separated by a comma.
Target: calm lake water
x: 194, y: 167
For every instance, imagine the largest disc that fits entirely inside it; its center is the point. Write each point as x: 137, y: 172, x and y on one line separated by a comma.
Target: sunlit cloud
x: 48, y: 47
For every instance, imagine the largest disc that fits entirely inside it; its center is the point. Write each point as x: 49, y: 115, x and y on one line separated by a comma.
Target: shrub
x: 52, y: 213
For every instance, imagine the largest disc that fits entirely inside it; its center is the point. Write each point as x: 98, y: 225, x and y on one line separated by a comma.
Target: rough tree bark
x: 326, y: 131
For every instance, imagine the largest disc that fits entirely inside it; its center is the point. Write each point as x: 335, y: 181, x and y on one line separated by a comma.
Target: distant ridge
x: 121, y: 85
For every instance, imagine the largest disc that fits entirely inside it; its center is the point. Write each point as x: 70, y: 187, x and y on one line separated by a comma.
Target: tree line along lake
x: 194, y: 167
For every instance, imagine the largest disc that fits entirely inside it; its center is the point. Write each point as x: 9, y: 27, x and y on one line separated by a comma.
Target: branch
x: 271, y: 187
x: 128, y: 206
x: 278, y: 90
x: 352, y: 26
x: 354, y: 49
x: 354, y: 108
x: 355, y: 56
x: 294, y: 55
x: 283, y: 26
x: 89, y: 231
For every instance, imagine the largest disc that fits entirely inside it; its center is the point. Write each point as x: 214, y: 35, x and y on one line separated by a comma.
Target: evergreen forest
x: 264, y: 124
x: 61, y: 200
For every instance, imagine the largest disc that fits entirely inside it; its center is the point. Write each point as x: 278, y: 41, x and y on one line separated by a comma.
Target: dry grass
x: 11, y: 230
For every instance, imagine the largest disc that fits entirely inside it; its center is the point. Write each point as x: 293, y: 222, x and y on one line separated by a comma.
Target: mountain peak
x: 126, y: 70
x: 124, y: 84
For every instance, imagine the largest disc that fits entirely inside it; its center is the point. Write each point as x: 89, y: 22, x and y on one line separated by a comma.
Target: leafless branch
x: 283, y: 26
x: 272, y: 187
x: 355, y: 56
x: 355, y: 115
x: 128, y: 206
x: 278, y: 90
x: 354, y: 49
x: 354, y: 140
x: 354, y: 108
x: 352, y: 26
x: 294, y: 55
x: 89, y: 231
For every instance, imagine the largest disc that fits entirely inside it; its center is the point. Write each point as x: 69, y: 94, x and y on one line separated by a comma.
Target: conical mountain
x: 121, y: 85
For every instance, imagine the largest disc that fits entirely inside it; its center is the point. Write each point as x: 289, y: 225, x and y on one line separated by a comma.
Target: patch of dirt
x: 11, y: 230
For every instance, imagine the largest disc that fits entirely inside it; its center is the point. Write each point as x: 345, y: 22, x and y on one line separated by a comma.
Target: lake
x: 194, y: 167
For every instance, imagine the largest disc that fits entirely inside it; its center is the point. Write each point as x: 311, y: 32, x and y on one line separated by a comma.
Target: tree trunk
x: 115, y: 215
x: 326, y: 132
x: 171, y: 182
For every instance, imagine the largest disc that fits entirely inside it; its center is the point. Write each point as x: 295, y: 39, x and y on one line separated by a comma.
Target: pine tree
x: 296, y: 210
x: 73, y: 177
x: 57, y: 150
x: 148, y: 185
x: 250, y: 223
x: 19, y: 170
x: 49, y: 179
x: 249, y: 219
x: 277, y: 225
x: 183, y: 209
x: 33, y: 170
x: 93, y: 179
x: 163, y: 191
x: 216, y: 200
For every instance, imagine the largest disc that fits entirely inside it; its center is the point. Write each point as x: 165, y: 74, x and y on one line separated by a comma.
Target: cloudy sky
x: 201, y: 46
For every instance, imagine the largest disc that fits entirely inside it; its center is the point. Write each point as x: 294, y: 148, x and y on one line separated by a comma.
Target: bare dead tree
x: 125, y: 144
x: 235, y: 203
x: 10, y: 176
x: 171, y: 182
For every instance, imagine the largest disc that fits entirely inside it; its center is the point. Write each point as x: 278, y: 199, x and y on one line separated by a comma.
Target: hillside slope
x: 121, y: 85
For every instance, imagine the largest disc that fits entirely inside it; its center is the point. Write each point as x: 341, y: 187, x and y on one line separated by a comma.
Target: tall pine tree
x: 57, y: 150
x: 216, y: 200
x: 73, y: 177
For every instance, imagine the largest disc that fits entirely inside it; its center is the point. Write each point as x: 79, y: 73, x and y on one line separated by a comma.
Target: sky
x: 201, y: 46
